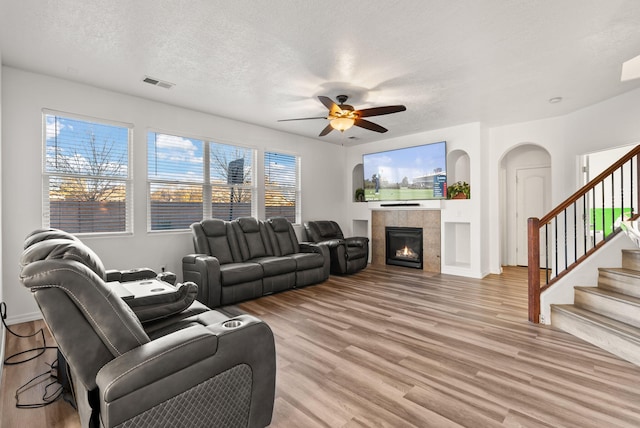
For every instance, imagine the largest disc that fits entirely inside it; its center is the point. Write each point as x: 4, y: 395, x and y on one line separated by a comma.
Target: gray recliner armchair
x: 165, y: 361
x: 348, y: 255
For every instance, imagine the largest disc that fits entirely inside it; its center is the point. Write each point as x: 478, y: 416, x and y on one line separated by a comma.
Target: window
x: 192, y: 179
x: 86, y: 175
x: 282, y: 189
x: 176, y: 181
x: 231, y: 183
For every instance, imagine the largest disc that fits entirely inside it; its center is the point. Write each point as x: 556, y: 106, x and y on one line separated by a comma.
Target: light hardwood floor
x: 396, y: 347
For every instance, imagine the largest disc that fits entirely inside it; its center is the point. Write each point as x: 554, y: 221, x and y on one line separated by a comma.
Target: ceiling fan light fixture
x: 342, y: 123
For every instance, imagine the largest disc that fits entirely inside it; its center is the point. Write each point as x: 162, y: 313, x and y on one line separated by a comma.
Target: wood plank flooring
x: 396, y: 347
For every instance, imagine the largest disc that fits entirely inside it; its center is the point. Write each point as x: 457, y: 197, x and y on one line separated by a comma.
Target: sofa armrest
x: 172, y: 367
x: 357, y: 241
x: 204, y: 270
x: 311, y: 247
x: 332, y: 243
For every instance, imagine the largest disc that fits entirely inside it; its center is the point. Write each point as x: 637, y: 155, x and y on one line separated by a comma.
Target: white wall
x: 472, y: 139
x: 2, y: 333
x: 24, y: 96
x: 611, y: 123
x: 326, y: 168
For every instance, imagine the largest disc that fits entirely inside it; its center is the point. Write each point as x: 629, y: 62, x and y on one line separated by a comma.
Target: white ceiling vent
x: 158, y: 82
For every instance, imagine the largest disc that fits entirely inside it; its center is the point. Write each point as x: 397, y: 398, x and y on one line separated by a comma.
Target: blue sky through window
x: 86, y: 148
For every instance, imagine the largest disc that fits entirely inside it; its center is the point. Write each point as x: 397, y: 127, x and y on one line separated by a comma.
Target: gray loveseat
x: 248, y: 258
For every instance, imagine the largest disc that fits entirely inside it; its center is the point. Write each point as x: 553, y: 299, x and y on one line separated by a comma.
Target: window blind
x: 86, y: 175
x: 191, y: 179
x: 282, y: 186
x: 231, y: 171
x: 175, y: 167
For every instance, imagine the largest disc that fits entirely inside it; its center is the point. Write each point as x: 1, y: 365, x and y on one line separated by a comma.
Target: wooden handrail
x: 534, y: 226
x: 590, y: 185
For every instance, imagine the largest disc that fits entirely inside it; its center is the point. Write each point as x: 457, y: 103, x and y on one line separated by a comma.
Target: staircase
x: 608, y: 315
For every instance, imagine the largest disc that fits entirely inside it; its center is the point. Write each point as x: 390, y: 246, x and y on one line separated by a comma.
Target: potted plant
x: 459, y: 190
x: 359, y: 195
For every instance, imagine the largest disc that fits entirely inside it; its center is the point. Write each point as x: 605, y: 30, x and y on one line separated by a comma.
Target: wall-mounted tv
x: 409, y: 173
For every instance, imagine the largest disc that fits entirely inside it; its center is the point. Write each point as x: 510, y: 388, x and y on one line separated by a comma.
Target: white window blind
x: 192, y: 179
x: 231, y: 181
x: 175, y: 168
x: 86, y: 175
x: 281, y: 182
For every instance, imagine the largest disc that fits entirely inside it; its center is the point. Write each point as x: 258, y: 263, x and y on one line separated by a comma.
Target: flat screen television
x: 409, y: 173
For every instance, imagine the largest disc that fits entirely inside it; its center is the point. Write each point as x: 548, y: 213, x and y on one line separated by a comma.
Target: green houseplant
x: 459, y: 190
x: 359, y: 194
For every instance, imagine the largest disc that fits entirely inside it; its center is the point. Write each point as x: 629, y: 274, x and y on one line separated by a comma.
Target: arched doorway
x: 525, y: 192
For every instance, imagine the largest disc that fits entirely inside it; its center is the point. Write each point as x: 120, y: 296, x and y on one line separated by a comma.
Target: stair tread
x: 623, y: 329
x: 611, y: 294
x: 621, y: 271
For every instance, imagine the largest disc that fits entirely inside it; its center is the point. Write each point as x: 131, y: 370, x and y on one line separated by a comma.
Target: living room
x: 326, y: 172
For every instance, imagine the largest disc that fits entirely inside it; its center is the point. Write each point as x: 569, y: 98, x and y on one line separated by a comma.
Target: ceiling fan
x: 343, y: 116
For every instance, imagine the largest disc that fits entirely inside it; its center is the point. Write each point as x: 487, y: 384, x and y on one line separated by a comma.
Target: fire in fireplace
x: 404, y: 246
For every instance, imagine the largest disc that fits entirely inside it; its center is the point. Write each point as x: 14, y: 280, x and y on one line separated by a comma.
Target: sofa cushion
x: 322, y: 230
x: 306, y: 261
x: 329, y: 230
x: 284, y: 239
x: 213, y: 236
x: 357, y: 252
x: 273, y: 266
x: 237, y: 273
x: 251, y: 238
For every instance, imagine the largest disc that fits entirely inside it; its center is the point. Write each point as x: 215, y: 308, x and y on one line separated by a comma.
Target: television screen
x: 410, y: 173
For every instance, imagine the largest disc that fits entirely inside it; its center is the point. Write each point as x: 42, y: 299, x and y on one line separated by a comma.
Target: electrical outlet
x: 542, y: 321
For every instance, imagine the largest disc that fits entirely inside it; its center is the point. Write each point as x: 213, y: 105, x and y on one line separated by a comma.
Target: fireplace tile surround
x: 428, y: 220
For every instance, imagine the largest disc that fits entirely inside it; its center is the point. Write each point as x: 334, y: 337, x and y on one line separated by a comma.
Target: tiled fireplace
x: 404, y: 246
x: 427, y: 220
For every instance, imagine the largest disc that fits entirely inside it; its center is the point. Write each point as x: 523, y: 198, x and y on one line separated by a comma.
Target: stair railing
x: 579, y: 226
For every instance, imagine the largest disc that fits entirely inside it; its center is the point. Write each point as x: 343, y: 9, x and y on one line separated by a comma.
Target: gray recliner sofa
x: 155, y: 362
x: 248, y: 258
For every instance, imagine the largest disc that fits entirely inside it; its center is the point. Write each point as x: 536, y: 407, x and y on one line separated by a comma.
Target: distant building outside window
x: 191, y: 179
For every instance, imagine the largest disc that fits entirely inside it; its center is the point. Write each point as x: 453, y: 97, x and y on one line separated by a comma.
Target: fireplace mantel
x: 435, y: 204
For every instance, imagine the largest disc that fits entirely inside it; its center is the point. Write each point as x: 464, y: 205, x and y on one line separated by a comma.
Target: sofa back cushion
x: 252, y: 237
x: 323, y: 230
x: 215, y: 237
x: 283, y: 237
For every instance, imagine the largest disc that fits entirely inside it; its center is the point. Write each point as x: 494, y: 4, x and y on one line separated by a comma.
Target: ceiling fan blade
x: 369, y: 125
x: 326, y: 130
x: 378, y: 111
x: 302, y: 118
x: 334, y: 110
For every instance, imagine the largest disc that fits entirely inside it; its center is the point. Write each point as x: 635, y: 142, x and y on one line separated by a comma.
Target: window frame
x: 207, y: 185
x: 127, y: 181
x: 297, y: 188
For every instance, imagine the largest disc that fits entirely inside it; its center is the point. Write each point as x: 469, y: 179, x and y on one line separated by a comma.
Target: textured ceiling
x: 449, y: 62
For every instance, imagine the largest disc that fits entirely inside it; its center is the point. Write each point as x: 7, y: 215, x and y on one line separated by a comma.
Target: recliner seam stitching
x: 195, y: 339
x: 83, y: 306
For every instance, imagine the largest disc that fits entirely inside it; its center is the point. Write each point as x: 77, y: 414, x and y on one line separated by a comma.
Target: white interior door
x: 533, y: 187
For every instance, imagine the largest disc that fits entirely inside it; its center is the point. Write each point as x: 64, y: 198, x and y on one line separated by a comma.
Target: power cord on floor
x: 9, y: 361
x: 23, y: 357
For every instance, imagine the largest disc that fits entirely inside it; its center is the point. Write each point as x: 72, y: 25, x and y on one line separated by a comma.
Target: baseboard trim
x: 33, y: 316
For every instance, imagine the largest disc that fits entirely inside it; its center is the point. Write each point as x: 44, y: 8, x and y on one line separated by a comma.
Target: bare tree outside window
x: 86, y: 166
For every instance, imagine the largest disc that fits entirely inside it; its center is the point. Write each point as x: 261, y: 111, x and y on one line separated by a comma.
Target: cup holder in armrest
x: 232, y: 324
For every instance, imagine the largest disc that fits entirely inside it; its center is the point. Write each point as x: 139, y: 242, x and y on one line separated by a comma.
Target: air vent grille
x: 158, y: 82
